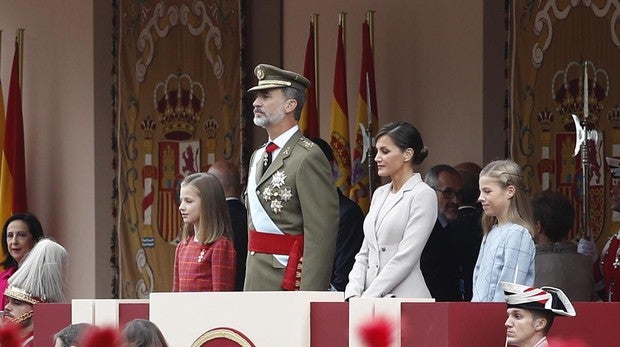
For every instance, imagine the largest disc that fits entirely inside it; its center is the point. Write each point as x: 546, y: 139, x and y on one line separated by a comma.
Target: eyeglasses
x: 449, y: 193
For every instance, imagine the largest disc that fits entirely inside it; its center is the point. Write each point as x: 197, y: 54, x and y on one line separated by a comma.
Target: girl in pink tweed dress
x: 205, y: 259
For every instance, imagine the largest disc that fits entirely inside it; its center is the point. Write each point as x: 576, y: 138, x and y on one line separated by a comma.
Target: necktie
x: 268, y: 155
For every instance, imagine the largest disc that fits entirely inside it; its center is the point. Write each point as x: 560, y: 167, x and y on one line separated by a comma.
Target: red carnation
x: 377, y: 332
x: 101, y: 337
x: 9, y: 335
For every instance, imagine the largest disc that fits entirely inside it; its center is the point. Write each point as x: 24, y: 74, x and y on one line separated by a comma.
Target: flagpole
x: 20, y: 44
x: 370, y: 15
x: 0, y: 53
x: 315, y: 34
x: 342, y: 20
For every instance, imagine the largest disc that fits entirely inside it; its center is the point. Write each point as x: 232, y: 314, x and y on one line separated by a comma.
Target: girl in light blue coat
x: 507, y: 251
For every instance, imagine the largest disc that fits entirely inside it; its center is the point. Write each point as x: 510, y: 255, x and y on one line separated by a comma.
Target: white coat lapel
x: 387, y: 206
x: 373, y: 214
x: 391, y: 203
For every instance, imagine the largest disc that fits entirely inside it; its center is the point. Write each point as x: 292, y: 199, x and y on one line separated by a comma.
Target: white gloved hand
x: 587, y: 247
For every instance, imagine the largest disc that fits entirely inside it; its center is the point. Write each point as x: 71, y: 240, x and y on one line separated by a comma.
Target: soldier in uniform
x: 292, y: 205
x: 531, y: 312
x: 39, y: 279
x: 610, y: 257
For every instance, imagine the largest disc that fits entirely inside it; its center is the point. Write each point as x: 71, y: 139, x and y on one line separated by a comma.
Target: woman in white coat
x: 400, y: 220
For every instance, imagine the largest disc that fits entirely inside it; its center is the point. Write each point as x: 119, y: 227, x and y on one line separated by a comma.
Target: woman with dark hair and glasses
x: 19, y: 235
x: 401, y: 217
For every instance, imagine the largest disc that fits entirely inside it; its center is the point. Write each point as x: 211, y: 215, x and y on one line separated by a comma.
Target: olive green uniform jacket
x: 297, y: 193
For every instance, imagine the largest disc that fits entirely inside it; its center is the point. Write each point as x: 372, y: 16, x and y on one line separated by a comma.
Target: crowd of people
x: 455, y: 233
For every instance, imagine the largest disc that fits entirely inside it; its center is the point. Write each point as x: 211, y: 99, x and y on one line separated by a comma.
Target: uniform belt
x: 272, y: 243
x: 291, y: 245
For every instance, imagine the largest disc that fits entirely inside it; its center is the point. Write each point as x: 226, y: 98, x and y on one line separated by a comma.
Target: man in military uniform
x: 610, y: 257
x: 292, y: 205
x: 531, y: 312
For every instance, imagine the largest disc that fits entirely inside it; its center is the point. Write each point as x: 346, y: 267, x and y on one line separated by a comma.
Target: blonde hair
x: 214, y: 216
x: 508, y: 173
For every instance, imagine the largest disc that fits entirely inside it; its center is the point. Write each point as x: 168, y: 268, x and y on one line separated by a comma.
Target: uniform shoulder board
x: 305, y: 142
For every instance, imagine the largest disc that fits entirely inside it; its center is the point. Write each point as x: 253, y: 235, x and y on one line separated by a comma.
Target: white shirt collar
x: 283, y: 139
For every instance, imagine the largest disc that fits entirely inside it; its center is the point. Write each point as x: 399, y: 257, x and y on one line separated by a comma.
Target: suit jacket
x: 559, y: 265
x: 467, y: 230
x: 311, y: 210
x: 239, y: 221
x: 439, y: 264
x: 389, y: 261
x: 350, y: 238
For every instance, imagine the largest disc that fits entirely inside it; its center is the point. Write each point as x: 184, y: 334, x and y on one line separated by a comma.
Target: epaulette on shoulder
x: 306, y: 143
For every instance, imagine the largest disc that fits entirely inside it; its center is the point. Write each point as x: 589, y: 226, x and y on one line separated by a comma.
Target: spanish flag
x: 309, y: 121
x: 339, y: 132
x: 13, y: 172
x: 4, y: 218
x: 2, y: 117
x: 366, y: 109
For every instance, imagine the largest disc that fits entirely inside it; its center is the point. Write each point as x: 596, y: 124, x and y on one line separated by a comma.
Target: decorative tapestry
x: 549, y: 45
x: 178, y: 104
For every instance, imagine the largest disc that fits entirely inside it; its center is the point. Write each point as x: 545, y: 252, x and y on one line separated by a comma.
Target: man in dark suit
x: 438, y: 263
x: 229, y: 176
x: 350, y: 230
x: 468, y: 227
x: 292, y: 204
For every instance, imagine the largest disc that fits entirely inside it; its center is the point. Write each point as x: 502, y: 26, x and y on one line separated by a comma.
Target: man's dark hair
x: 547, y: 315
x: 299, y: 96
x: 471, y: 188
x: 325, y: 147
x: 433, y: 173
x: 554, y: 212
x: 71, y: 334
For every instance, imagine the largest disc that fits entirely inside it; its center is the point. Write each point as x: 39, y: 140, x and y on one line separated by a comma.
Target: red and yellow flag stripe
x: 366, y: 108
x: 339, y: 132
x: 13, y: 170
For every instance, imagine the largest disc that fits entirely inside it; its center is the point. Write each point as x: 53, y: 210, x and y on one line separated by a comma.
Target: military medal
x: 265, y: 159
x: 277, y: 192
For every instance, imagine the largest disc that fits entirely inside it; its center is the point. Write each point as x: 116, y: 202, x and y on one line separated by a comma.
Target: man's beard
x: 270, y: 120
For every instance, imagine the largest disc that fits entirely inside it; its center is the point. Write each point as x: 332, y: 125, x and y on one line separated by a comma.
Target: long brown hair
x: 142, y: 333
x: 508, y: 173
x: 214, y: 215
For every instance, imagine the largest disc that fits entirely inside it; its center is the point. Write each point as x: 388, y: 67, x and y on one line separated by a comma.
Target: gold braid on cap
x: 22, y: 295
